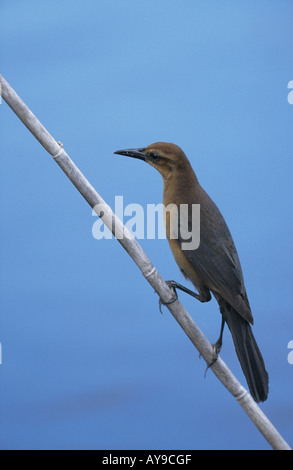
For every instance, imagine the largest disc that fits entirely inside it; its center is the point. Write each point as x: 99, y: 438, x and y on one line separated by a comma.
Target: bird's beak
x: 135, y: 153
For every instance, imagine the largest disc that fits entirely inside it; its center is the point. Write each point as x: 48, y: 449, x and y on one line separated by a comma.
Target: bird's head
x: 163, y: 156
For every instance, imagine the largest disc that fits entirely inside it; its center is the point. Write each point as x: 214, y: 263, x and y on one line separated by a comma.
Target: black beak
x: 135, y: 153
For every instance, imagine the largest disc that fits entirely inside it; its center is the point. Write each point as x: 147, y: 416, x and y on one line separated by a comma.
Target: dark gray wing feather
x: 216, y: 261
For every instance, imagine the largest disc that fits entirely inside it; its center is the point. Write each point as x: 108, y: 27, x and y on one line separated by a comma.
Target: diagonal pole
x: 151, y: 274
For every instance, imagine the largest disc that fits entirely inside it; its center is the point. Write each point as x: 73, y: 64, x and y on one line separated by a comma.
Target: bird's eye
x: 154, y: 155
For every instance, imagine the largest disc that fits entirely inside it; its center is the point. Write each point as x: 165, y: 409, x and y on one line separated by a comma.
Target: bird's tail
x: 248, y: 353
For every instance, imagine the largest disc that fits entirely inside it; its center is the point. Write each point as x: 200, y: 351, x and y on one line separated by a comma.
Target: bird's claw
x: 170, y: 284
x: 216, y: 351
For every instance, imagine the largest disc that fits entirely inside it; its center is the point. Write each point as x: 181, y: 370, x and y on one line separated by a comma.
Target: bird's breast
x: 171, y: 214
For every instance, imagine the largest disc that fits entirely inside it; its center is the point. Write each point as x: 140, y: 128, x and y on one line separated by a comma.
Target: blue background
x: 88, y: 362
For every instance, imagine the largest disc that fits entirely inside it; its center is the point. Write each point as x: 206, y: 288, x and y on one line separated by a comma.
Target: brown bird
x: 214, y: 266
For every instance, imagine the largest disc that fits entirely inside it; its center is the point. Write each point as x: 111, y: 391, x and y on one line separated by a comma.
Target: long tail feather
x: 248, y: 353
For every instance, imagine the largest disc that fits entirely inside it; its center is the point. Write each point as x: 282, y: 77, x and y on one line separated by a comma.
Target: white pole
x: 133, y: 248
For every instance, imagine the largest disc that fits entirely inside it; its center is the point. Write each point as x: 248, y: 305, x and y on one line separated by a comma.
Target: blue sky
x: 87, y: 359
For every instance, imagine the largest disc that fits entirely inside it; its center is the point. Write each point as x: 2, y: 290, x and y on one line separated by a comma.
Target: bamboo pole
x: 151, y: 274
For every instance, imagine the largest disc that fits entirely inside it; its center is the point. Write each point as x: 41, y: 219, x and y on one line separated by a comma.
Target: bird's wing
x: 217, y: 264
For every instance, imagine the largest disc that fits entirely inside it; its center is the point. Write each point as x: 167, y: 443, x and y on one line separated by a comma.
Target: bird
x: 213, y: 267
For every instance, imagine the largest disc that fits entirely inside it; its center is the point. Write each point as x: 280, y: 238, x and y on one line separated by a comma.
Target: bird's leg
x: 217, y: 346
x: 175, y: 285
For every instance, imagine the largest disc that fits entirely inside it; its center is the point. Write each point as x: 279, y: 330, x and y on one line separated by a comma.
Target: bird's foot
x: 175, y: 285
x: 216, y: 351
x: 172, y: 287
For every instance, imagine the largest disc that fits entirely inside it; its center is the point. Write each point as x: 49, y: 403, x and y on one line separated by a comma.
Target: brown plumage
x: 213, y: 267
